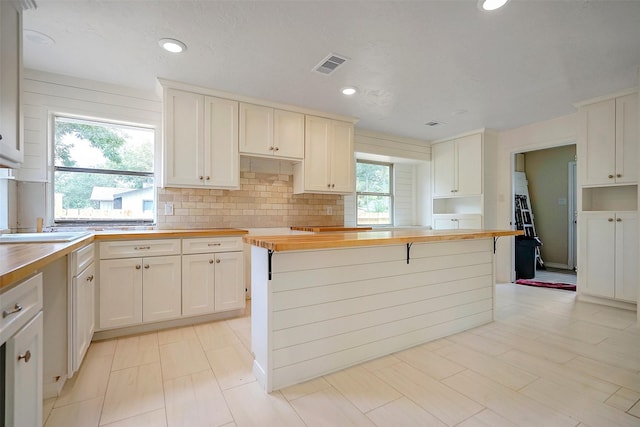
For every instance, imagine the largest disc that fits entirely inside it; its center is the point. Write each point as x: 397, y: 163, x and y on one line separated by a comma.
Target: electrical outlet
x: 168, y: 208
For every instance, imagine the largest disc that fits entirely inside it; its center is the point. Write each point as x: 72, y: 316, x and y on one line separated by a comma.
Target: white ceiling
x: 413, y: 61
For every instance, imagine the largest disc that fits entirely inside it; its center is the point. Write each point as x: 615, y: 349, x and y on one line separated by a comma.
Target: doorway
x: 550, y: 185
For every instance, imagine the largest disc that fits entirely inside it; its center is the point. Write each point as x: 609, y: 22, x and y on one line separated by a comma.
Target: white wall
x: 550, y: 133
x: 47, y: 94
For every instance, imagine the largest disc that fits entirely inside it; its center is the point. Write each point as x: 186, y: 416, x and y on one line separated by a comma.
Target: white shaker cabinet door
x: 469, y: 165
x: 161, y: 288
x: 229, y: 281
x: 597, y: 258
x: 626, y: 284
x: 221, y: 158
x: 120, y: 292
x: 443, y: 160
x: 198, y: 284
x: 23, y: 394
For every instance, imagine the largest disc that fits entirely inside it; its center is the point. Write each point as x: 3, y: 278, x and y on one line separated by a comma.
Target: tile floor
x: 556, y: 275
x: 547, y: 360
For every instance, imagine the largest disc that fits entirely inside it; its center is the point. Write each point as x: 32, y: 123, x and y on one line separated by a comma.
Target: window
x: 374, y: 194
x: 103, y: 172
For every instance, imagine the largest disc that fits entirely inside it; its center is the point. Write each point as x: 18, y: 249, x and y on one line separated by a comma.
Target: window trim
x: 390, y: 194
x: 54, y: 168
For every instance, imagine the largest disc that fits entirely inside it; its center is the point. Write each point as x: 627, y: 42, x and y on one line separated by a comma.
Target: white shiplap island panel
x: 326, y: 309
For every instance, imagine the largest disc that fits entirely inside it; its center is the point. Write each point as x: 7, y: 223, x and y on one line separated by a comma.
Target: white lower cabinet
x: 608, y: 255
x: 212, y: 281
x: 23, y: 382
x: 83, y: 306
x: 136, y: 290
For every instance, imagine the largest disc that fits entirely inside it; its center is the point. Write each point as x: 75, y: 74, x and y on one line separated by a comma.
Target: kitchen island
x: 323, y: 302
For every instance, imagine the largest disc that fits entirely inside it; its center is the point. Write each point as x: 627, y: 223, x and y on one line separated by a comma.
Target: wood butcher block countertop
x: 369, y: 238
x: 323, y: 229
x: 20, y: 260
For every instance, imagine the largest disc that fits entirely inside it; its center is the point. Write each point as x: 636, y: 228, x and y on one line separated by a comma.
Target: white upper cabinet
x: 609, y: 141
x: 11, y: 141
x: 270, y: 132
x: 457, y: 167
x: 328, y: 166
x: 201, y: 141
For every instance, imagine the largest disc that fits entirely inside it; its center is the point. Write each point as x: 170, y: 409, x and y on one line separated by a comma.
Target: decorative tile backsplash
x: 264, y: 200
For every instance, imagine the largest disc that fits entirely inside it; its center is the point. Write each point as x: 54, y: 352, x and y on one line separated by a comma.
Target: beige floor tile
x: 579, y: 406
x: 363, y: 389
x: 302, y: 389
x: 133, y: 391
x: 244, y: 335
x: 509, y: 404
x: 623, y: 399
x: 168, y: 336
x: 607, y: 372
x: 585, y: 331
x: 47, y: 406
x: 251, y: 406
x: 403, y: 412
x: 329, y: 408
x: 102, y: 348
x: 635, y: 410
x: 81, y: 414
x: 481, y: 344
x: 239, y: 323
x: 232, y: 366
x: 429, y: 362
x: 487, y: 418
x: 446, y: 404
x: 195, y: 400
x: 135, y: 351
x: 216, y: 335
x: 88, y: 383
x: 182, y: 358
x: 155, y: 418
x: 489, y: 366
x: 380, y: 362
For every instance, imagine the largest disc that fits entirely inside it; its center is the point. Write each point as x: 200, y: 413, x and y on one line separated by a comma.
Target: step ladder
x: 524, y: 221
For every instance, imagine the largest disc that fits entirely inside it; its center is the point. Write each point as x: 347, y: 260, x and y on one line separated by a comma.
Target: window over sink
x: 374, y: 193
x: 103, y: 172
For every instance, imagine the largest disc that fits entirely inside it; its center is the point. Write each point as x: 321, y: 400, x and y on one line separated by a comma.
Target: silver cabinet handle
x: 619, y: 175
x: 270, y: 148
x: 333, y: 185
x: 328, y: 185
x: 138, y: 267
x: 218, y: 261
x: 214, y: 244
x: 208, y: 178
x: 610, y: 176
x: 277, y: 149
x: 146, y: 266
x: 26, y: 357
x: 90, y: 278
x: 210, y: 261
x: 201, y: 178
x: 610, y: 219
x: 140, y: 248
x: 16, y: 309
x: 619, y: 219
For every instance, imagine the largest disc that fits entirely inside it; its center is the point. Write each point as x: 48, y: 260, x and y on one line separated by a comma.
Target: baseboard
x: 556, y: 265
x: 606, y: 301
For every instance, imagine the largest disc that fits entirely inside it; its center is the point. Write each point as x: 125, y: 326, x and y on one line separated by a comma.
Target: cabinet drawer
x: 81, y: 258
x: 139, y: 248
x: 211, y: 244
x: 20, y: 304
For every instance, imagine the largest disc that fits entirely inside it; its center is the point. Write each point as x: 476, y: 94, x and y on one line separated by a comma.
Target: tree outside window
x: 103, y: 172
x: 374, y: 193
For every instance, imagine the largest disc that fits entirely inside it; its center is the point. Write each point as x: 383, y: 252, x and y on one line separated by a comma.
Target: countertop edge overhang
x: 369, y: 238
x: 20, y: 260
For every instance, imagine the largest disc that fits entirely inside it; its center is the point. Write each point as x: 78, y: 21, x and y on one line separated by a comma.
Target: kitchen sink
x: 62, y: 236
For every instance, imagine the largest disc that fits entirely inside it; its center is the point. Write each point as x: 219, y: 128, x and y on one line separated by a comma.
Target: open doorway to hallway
x: 547, y: 177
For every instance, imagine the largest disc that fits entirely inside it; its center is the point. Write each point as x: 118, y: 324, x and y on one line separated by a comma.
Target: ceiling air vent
x: 329, y: 64
x: 433, y: 123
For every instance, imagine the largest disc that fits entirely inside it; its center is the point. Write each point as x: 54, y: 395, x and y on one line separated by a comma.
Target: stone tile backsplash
x: 264, y: 200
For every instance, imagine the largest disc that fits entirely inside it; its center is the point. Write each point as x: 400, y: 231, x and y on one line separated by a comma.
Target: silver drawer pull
x: 16, y: 309
x: 218, y: 261
x: 139, y: 248
x: 26, y: 357
x: 214, y: 244
x: 90, y: 278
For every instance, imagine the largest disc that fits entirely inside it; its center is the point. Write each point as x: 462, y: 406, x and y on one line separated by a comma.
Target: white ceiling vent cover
x: 329, y: 64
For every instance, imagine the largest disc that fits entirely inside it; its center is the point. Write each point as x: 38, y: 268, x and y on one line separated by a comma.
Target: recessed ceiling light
x: 491, y: 4
x: 172, y: 45
x: 38, y: 38
x: 349, y: 90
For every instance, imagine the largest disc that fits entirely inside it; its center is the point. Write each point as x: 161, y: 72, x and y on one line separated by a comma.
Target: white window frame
x: 367, y: 193
x: 53, y: 168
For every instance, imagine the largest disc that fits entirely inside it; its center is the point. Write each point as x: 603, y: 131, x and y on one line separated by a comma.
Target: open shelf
x: 458, y: 205
x: 613, y: 198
